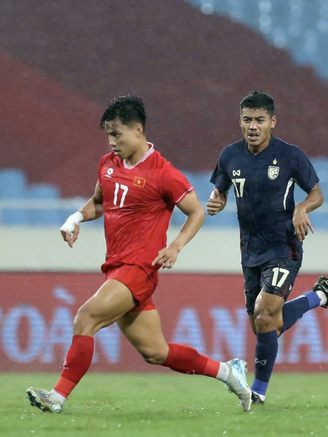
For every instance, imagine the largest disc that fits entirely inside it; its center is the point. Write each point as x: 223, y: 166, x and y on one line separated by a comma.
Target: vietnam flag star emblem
x: 139, y: 182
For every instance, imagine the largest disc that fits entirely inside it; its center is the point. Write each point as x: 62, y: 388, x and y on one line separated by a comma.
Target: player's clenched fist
x: 216, y: 202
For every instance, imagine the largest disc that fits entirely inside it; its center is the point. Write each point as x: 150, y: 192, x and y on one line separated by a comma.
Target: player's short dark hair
x: 258, y: 100
x: 128, y: 109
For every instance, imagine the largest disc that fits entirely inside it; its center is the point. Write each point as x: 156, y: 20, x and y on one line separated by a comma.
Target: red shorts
x: 141, y: 285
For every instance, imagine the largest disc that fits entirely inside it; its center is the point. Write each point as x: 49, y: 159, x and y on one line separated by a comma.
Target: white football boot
x: 44, y: 400
x: 237, y: 383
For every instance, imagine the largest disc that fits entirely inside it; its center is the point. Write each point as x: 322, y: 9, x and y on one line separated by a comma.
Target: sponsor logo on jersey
x: 273, y: 172
x: 139, y: 182
x: 236, y: 172
x: 110, y: 171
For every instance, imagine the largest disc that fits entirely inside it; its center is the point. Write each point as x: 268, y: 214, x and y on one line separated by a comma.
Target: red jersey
x: 138, y: 202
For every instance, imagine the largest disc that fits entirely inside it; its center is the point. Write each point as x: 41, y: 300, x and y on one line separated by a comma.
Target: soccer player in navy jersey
x: 263, y: 170
x: 136, y: 192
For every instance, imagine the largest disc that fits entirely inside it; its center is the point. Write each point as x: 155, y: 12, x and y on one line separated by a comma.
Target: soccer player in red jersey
x: 136, y: 192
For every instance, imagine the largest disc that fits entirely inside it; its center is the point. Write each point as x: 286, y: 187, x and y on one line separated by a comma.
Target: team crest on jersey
x: 139, y: 182
x: 110, y: 171
x: 273, y: 172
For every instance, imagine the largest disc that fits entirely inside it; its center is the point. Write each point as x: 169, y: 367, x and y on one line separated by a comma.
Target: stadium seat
x: 228, y: 217
x: 307, y: 46
x: 202, y: 185
x: 43, y: 191
x: 178, y: 217
x: 47, y: 215
x: 12, y: 184
x: 320, y: 165
x: 12, y: 187
x: 13, y: 217
x: 299, y: 194
x: 189, y: 175
x: 319, y: 220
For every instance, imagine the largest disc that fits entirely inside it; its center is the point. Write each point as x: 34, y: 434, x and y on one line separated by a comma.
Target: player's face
x: 256, y: 125
x: 124, y: 139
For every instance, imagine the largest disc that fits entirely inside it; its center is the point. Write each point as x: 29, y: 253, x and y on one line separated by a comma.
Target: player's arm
x: 92, y: 210
x: 217, y: 202
x: 194, y: 211
x: 301, y: 219
x: 220, y: 178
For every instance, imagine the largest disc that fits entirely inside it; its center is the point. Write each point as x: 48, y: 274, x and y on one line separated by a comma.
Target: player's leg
x: 143, y: 330
x: 293, y: 310
x: 268, y: 319
x: 111, y: 301
x: 267, y: 343
x: 277, y: 278
x: 252, y: 288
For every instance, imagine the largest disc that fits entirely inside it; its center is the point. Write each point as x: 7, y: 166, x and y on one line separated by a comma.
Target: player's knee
x: 154, y: 357
x: 82, y: 323
x: 263, y: 322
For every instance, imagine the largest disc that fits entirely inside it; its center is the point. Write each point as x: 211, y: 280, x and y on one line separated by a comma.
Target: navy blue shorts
x: 275, y: 277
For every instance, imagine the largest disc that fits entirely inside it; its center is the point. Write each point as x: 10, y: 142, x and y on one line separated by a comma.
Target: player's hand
x: 215, y: 203
x: 166, y: 257
x: 71, y: 229
x: 301, y: 223
x: 70, y: 235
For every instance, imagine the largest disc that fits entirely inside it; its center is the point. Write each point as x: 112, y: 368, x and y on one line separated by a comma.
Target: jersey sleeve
x: 174, y: 185
x: 305, y: 175
x: 220, y: 177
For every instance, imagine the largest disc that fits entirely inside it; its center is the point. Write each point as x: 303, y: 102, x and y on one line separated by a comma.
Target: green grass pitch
x: 165, y: 405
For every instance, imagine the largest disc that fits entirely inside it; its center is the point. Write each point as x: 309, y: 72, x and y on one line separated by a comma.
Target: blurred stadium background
x: 191, y: 62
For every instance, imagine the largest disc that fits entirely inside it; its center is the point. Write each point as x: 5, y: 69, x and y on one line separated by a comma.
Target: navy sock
x: 313, y: 298
x: 294, y: 309
x: 265, y: 357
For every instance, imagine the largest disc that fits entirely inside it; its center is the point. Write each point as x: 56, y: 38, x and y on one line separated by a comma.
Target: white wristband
x: 72, y: 220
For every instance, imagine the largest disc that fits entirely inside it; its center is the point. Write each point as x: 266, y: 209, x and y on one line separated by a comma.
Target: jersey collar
x: 151, y: 150
x: 268, y: 147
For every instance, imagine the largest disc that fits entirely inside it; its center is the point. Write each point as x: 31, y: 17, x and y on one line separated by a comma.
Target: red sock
x: 185, y: 359
x: 76, y: 364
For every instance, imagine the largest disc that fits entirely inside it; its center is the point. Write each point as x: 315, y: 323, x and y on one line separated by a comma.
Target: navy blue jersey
x: 264, y: 192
